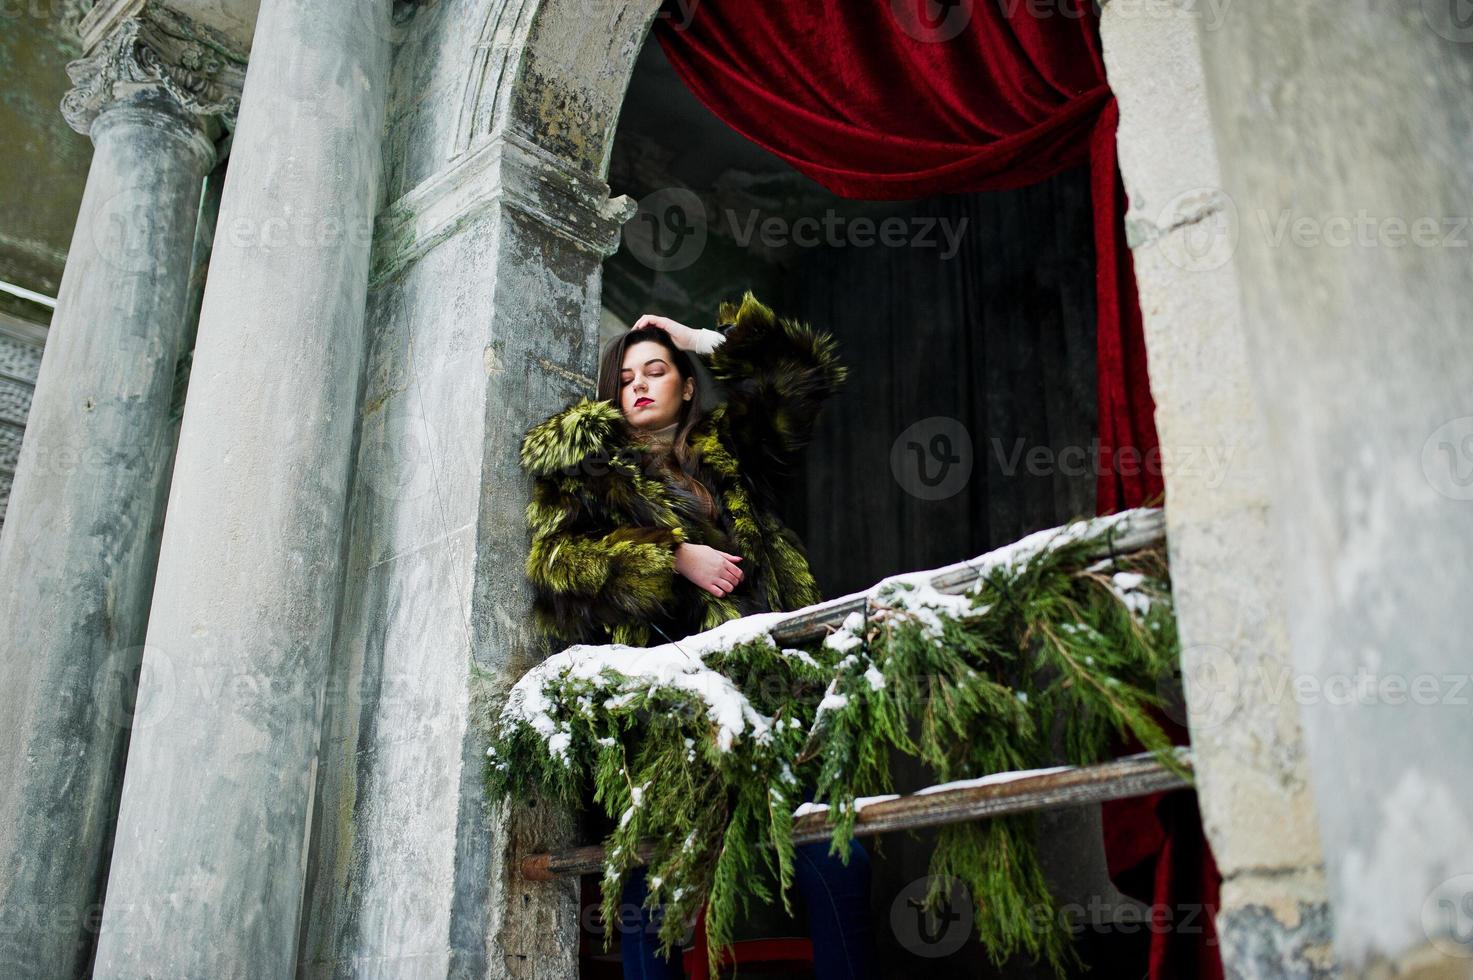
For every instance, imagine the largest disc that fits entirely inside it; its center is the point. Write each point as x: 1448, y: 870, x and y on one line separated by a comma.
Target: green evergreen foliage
x: 1050, y: 655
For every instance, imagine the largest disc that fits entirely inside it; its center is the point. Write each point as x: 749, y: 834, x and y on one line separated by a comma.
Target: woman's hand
x: 709, y: 568
x: 684, y: 337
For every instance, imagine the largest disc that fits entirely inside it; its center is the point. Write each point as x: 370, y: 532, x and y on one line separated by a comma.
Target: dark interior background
x: 991, y: 349
x: 999, y: 338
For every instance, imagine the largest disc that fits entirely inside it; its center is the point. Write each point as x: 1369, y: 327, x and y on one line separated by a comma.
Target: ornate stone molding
x: 160, y: 49
x: 506, y: 169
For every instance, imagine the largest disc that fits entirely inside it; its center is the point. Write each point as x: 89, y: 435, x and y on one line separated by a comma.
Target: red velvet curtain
x: 899, y: 99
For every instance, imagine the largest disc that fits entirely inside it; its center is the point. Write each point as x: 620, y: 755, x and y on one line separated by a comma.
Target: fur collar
x: 595, y: 428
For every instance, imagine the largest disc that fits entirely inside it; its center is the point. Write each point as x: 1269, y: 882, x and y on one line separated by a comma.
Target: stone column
x: 208, y: 866
x: 79, y: 546
x: 483, y: 319
x: 1252, y: 774
x: 1344, y: 140
x: 487, y: 284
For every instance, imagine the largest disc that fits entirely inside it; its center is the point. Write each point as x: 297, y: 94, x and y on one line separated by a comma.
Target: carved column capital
x: 156, y: 49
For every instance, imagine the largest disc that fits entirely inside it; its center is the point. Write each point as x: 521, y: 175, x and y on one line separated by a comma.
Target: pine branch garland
x: 703, y: 747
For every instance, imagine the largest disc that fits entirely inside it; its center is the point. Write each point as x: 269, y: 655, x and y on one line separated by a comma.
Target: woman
x: 653, y: 519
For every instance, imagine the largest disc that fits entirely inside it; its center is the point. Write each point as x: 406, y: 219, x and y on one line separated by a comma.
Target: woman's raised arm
x: 777, y: 373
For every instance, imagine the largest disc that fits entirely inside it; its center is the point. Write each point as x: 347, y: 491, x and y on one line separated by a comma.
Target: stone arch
x: 554, y: 72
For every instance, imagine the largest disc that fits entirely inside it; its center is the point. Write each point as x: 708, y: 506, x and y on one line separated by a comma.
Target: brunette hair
x: 680, y: 461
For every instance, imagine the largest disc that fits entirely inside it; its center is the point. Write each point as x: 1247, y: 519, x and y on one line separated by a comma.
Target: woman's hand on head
x: 709, y: 568
x: 684, y: 337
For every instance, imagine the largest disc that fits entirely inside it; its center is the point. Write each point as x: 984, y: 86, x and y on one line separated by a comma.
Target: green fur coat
x: 604, y: 527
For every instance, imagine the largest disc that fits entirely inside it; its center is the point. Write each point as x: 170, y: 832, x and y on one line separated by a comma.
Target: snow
x: 849, y: 634
x: 802, y: 656
x: 859, y: 804
x: 633, y: 670
x: 875, y: 678
x: 630, y: 672
x: 1018, y: 554
x: 832, y: 700
x: 926, y: 604
x: 992, y: 780
x: 1079, y: 629
x: 914, y: 592
x: 1124, y: 584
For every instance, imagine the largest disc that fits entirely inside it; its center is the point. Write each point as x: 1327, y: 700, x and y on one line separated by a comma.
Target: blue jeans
x: 837, y: 898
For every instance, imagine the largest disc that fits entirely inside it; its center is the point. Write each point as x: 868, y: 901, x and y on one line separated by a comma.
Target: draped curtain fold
x: 902, y: 99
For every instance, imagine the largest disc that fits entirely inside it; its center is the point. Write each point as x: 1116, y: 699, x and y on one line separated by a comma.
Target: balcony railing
x: 989, y: 796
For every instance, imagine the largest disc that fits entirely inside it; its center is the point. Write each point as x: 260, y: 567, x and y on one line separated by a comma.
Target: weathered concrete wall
x: 1226, y: 578
x: 46, y: 160
x: 483, y: 320
x: 21, y: 343
x: 387, y: 819
x: 1343, y: 132
x: 233, y: 22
